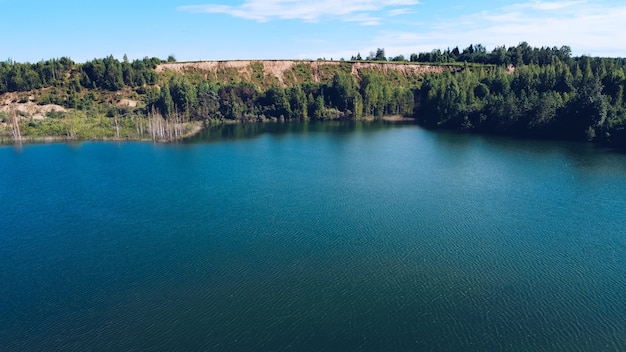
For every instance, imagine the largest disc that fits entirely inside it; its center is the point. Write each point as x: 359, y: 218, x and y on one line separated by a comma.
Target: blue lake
x: 313, y: 237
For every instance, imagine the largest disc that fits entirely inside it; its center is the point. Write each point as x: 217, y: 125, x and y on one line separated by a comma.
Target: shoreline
x: 195, y: 128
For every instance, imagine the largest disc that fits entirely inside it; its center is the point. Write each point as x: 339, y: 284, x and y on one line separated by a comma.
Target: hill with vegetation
x: 521, y: 90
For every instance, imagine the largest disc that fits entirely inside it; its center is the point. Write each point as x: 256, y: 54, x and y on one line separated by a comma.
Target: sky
x: 34, y: 30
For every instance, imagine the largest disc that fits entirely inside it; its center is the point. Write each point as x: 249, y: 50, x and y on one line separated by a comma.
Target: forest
x: 521, y: 91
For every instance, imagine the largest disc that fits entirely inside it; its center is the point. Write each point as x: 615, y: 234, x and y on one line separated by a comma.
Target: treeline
x: 343, y: 98
x: 108, y: 73
x: 577, y: 98
x: 523, y: 90
x: 522, y: 54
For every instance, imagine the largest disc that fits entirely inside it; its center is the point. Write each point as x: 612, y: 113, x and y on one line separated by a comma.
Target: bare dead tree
x: 15, y: 127
x: 117, y: 127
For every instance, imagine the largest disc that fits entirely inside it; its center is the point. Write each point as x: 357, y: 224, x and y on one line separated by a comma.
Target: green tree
x: 113, y: 79
x: 183, y: 95
x: 165, y: 103
x: 208, y: 102
x: 278, y: 102
x: 319, y: 109
x: 298, y: 103
x: 587, y: 112
x: 93, y: 73
x: 343, y: 90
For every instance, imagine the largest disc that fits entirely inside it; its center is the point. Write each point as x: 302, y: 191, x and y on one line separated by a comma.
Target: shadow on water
x: 582, y: 155
x: 243, y: 131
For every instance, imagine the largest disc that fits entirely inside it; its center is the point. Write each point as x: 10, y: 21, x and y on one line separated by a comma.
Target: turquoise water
x: 313, y: 237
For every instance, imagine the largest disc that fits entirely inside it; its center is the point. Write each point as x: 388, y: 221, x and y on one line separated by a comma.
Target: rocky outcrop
x: 9, y: 104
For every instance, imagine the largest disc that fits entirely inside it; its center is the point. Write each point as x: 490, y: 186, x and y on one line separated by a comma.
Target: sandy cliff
x: 289, y: 72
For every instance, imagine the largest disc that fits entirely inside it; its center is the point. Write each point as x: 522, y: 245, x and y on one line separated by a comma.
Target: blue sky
x: 33, y: 30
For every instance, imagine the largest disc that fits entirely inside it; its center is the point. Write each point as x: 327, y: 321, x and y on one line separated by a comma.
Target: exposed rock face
x: 126, y: 102
x: 285, y: 72
x: 9, y: 104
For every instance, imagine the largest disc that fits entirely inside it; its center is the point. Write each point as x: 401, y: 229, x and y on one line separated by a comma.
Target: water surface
x: 313, y: 237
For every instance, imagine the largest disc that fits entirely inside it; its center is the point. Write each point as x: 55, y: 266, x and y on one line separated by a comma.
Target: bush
x: 55, y: 114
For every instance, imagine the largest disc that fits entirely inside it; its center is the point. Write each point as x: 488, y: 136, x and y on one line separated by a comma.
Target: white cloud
x: 363, y: 18
x: 361, y: 11
x: 593, y: 28
x: 548, y: 5
x: 398, y: 12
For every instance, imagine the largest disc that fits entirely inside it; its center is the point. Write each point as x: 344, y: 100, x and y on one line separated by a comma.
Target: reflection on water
x: 240, y: 131
x: 587, y: 156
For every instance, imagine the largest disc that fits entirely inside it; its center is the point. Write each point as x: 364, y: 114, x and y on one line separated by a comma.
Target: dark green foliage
x: 238, y: 102
x: 523, y: 54
x: 357, y: 57
x: 319, y: 109
x: 379, y: 55
x: 380, y: 97
x: 165, y: 103
x: 343, y: 91
x: 208, y: 102
x: 276, y: 103
x: 586, y: 112
x: 298, y: 103
x: 575, y: 98
x: 521, y: 90
x: 113, y: 75
x: 93, y: 74
x: 19, y: 77
x: 113, y: 79
x: 341, y: 98
x: 183, y: 95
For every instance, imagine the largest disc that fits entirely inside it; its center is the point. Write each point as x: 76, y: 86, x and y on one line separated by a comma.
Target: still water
x: 313, y: 237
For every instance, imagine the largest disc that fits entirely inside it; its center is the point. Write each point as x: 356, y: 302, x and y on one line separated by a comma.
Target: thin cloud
x: 363, y: 19
x: 365, y: 12
x: 593, y: 28
x: 549, y: 5
x: 398, y: 12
